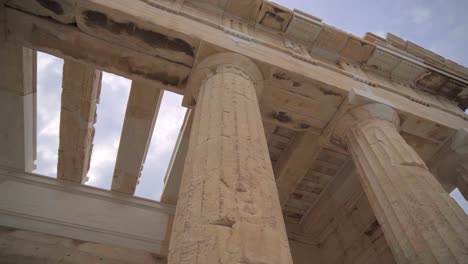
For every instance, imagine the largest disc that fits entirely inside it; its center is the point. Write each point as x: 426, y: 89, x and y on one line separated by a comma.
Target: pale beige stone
x: 62, y: 11
x: 228, y: 209
x: 247, y: 9
x: 175, y: 169
x: 291, y: 169
x: 81, y: 86
x: 274, y: 16
x: 142, y: 111
x: 27, y: 247
x: 343, y: 224
x: 46, y: 205
x: 70, y: 43
x: 420, y: 221
x: 357, y: 50
x: 303, y: 26
x: 305, y: 76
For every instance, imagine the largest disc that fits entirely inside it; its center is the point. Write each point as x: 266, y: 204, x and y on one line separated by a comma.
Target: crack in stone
x: 224, y: 222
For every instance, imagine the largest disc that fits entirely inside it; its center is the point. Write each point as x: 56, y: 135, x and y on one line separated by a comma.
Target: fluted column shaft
x: 228, y: 209
x: 421, y: 223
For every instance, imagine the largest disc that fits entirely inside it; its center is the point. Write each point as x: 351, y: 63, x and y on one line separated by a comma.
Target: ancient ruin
x: 303, y: 143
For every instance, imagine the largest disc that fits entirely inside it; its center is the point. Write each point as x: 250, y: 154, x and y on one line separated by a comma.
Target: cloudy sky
x: 439, y: 25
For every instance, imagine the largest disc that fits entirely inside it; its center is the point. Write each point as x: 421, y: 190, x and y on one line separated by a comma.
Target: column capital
x: 448, y: 163
x: 224, y: 62
x: 364, y: 115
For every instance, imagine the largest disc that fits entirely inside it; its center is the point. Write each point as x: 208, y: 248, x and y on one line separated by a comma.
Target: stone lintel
x: 176, y: 166
x: 45, y: 205
x: 81, y: 87
x: 140, y: 118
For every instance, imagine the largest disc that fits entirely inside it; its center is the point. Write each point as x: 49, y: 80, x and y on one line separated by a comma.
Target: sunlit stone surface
x: 301, y: 144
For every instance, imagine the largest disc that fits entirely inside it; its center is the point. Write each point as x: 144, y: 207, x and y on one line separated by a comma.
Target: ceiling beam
x: 295, y: 162
x: 142, y: 111
x: 449, y: 163
x: 343, y: 224
x: 67, y: 41
x: 300, y: 156
x: 81, y: 86
x: 100, y: 15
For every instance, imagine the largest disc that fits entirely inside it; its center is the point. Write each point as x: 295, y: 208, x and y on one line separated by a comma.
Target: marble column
x: 228, y: 209
x: 421, y: 223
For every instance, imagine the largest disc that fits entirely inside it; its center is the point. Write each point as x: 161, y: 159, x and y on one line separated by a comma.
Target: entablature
x: 42, y: 204
x: 176, y: 39
x: 302, y: 94
x: 308, y: 37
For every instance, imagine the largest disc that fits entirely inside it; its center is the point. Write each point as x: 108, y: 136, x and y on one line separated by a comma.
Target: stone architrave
x: 228, y: 209
x: 421, y: 222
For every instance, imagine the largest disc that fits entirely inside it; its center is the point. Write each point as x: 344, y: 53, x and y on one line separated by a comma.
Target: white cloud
x: 166, y: 131
x: 102, y: 163
x: 421, y: 15
x: 452, y: 44
x: 51, y: 127
x: 49, y: 87
x: 47, y: 154
x: 458, y: 197
x: 110, y: 117
x: 44, y: 61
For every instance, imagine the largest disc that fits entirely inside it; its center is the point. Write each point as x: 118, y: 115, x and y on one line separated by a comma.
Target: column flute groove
x: 421, y: 223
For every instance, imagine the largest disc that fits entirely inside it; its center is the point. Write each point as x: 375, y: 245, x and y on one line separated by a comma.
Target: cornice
x: 248, y: 38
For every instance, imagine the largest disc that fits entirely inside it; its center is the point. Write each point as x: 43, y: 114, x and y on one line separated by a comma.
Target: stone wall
x: 26, y: 247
